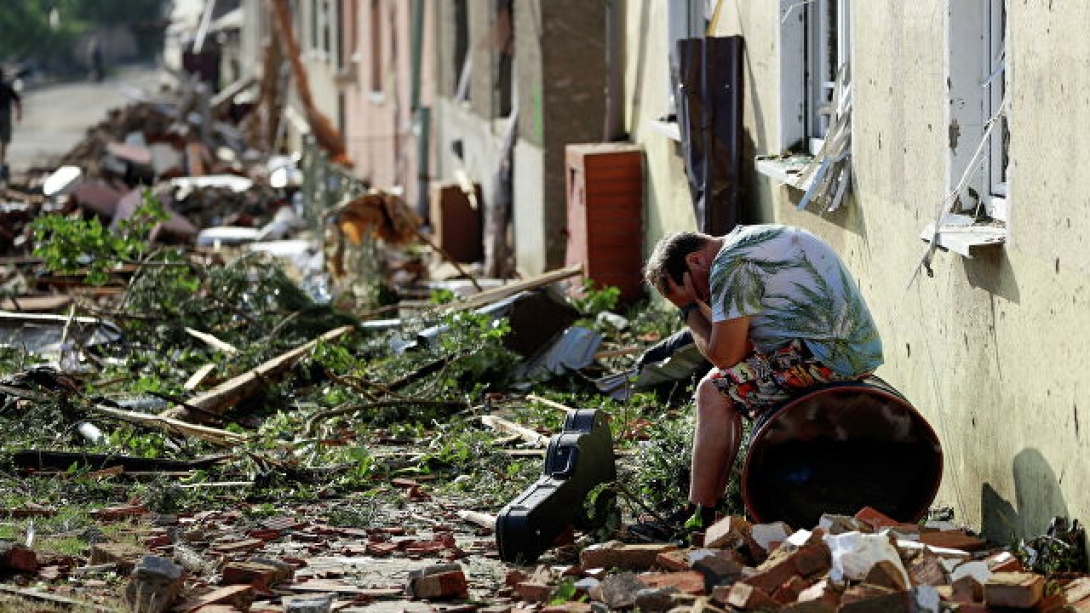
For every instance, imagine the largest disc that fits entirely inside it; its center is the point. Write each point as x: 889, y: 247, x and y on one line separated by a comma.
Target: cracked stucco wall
x: 990, y: 349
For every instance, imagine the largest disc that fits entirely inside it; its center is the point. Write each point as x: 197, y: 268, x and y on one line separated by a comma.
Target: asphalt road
x: 56, y: 116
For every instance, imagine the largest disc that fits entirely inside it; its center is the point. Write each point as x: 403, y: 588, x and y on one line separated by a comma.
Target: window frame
x: 375, y: 84
x: 821, y: 66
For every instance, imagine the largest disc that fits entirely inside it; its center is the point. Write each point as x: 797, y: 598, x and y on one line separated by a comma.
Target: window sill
x: 669, y: 129
x: 963, y: 235
x: 785, y: 169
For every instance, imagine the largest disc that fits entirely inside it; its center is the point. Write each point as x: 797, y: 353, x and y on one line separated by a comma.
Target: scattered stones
x: 18, y: 558
x: 154, y: 585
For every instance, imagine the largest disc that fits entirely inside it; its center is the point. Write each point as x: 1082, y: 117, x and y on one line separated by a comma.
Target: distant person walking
x: 8, y: 98
x: 98, y: 71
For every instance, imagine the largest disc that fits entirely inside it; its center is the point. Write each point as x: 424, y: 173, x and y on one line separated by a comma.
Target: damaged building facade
x: 909, y: 117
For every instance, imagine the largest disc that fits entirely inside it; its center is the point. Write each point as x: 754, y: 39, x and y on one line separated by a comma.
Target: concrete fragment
x: 839, y: 524
x: 977, y: 569
x: 153, y: 585
x: 824, y: 591
x: 614, y: 554
x: 310, y: 603
x: 767, y: 535
x: 853, y: 554
x: 656, y: 600
x: 568, y: 607
x: 1078, y: 590
x: 924, y: 567
x: 618, y: 591
x: 1016, y: 590
x: 17, y: 557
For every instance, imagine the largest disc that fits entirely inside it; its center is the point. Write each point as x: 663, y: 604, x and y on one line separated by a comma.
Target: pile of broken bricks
x: 226, y: 561
x: 863, y: 564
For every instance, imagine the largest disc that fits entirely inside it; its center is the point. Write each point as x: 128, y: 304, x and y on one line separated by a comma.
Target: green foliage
x: 69, y: 245
x: 28, y: 32
x: 659, y: 476
x: 1061, y: 549
x: 596, y: 300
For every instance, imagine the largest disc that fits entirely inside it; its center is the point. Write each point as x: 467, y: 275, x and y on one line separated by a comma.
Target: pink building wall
x: 377, y: 91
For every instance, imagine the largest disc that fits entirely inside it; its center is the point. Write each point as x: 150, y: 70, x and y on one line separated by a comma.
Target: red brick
x: 124, y: 555
x: 158, y: 541
x: 888, y: 575
x: 790, y: 590
x: 264, y: 534
x: 891, y: 602
x: 18, y: 558
x: 534, y: 591
x: 568, y: 607
x: 1078, y: 590
x: 618, y: 555
x: 440, y: 586
x: 924, y: 567
x: 239, y: 546
x: 727, y: 533
x: 260, y: 575
x: 675, y: 560
x: 875, y: 518
x: 1004, y: 562
x: 122, y: 512
x: 381, y: 548
x: 745, y: 597
x: 808, y: 561
x: 953, y: 539
x: 966, y: 589
x: 237, y: 596
x: 688, y: 582
x: 1017, y: 590
x: 809, y: 606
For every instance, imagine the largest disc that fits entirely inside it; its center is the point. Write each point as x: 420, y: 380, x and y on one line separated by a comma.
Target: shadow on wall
x: 990, y: 269
x: 1037, y: 500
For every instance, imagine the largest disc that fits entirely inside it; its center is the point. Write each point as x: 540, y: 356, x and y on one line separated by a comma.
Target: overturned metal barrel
x: 838, y: 449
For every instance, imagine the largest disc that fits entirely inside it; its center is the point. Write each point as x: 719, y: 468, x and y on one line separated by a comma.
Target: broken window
x: 827, y: 43
x: 815, y: 111
x: 974, y: 213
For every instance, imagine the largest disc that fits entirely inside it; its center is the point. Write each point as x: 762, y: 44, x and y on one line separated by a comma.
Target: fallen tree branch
x: 216, y: 436
x: 526, y: 434
x: 221, y: 398
x: 550, y: 403
x: 344, y: 409
x: 495, y: 295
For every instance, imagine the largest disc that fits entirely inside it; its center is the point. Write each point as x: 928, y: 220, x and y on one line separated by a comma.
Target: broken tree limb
x: 54, y: 599
x: 216, y: 436
x: 499, y: 293
x: 212, y: 341
x: 550, y: 403
x: 355, y: 408
x: 526, y: 434
x: 221, y: 398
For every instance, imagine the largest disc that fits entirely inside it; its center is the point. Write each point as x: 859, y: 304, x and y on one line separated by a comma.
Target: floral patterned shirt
x: 793, y: 285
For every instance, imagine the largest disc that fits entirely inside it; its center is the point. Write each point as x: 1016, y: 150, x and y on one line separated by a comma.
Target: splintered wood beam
x: 221, y: 398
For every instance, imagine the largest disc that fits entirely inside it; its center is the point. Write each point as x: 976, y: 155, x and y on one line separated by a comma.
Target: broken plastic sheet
x: 55, y: 337
x: 678, y: 366
x: 573, y: 351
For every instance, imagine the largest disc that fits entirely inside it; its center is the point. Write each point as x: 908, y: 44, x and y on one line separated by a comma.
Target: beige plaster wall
x: 989, y: 349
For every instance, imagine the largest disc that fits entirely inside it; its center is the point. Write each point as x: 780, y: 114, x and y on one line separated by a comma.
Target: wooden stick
x: 526, y: 434
x: 481, y: 519
x: 550, y: 403
x: 216, y: 436
x: 499, y: 293
x: 36, y: 594
x: 221, y: 398
x: 212, y: 341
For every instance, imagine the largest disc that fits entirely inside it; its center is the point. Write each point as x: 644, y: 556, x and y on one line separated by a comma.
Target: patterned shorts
x: 760, y: 382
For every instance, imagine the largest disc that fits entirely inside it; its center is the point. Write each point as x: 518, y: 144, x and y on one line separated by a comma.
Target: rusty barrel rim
x: 871, y: 386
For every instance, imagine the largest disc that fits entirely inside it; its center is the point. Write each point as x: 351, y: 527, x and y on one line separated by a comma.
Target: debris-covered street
x: 262, y: 352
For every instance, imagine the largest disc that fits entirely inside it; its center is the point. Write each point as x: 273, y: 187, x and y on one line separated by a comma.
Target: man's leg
x: 716, y: 440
